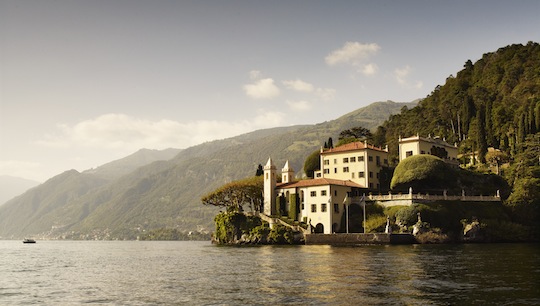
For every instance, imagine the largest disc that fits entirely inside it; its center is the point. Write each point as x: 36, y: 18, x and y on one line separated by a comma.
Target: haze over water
x: 198, y: 273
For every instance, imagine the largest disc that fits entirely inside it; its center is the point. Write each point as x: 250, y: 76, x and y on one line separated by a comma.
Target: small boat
x: 28, y: 240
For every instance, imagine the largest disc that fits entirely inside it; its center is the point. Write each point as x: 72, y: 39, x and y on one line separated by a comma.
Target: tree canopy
x: 312, y: 163
x: 524, y: 175
x: 236, y: 194
x: 354, y: 134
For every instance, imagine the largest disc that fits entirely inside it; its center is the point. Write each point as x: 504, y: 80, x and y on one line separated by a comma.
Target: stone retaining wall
x: 358, y: 239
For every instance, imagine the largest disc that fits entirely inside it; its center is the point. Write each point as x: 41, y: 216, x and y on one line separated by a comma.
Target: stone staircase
x: 273, y: 220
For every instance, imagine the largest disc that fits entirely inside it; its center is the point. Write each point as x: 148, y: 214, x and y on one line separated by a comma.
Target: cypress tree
x: 481, y: 136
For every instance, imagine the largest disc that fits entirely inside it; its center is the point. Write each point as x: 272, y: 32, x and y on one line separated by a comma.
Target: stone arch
x: 319, y: 228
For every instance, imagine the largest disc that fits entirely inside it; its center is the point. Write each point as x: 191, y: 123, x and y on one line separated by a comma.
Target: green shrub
x: 228, y: 226
x: 260, y: 232
x: 422, y: 172
x: 374, y: 210
x: 407, y: 216
x: 392, y: 210
x: 505, y: 231
x: 293, y: 207
x: 280, y: 234
x: 376, y: 224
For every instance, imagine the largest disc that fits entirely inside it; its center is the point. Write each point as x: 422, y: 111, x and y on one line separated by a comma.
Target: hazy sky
x: 83, y: 83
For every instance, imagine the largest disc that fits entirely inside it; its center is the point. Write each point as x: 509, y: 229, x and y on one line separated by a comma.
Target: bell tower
x: 269, y: 188
x: 287, y: 173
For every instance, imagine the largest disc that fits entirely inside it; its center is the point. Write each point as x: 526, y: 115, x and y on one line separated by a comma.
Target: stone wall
x: 358, y: 239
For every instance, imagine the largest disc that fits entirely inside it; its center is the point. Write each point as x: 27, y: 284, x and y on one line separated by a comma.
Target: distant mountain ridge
x: 11, y: 187
x: 118, y: 168
x: 115, y: 201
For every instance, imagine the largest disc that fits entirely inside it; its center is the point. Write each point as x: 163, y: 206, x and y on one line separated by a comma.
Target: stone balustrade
x: 407, y: 199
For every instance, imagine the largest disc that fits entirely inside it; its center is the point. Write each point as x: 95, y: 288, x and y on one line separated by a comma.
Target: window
x: 345, y: 160
x: 313, y: 207
x: 326, y: 171
x: 313, y: 193
x: 323, y: 192
x: 371, y: 185
x: 378, y: 160
x: 370, y: 158
x: 370, y: 174
x: 303, y: 206
x: 352, y: 175
x: 353, y: 159
x: 345, y: 169
x: 335, y: 161
x: 326, y: 162
x: 323, y: 207
x: 422, y: 152
x: 378, y: 174
x: 336, y: 208
x: 335, y: 170
x: 335, y: 193
x: 360, y: 158
x: 408, y: 153
x: 361, y: 174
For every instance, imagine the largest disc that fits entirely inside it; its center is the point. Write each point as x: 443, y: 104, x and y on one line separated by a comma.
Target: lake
x: 198, y: 273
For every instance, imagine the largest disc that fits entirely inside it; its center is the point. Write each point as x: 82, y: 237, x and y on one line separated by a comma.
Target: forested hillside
x: 495, y: 103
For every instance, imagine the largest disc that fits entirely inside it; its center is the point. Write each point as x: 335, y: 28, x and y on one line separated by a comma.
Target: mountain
x: 118, y: 168
x: 96, y: 204
x: 11, y: 187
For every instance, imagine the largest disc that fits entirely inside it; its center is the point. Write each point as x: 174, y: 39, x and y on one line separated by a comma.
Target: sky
x: 83, y: 83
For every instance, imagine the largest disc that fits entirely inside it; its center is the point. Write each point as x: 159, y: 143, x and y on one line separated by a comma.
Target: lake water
x: 198, y: 273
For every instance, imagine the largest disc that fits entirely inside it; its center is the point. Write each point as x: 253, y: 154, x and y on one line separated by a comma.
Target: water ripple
x: 197, y: 273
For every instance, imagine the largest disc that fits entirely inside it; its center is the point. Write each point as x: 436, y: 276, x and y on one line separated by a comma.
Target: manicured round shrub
x: 423, y: 172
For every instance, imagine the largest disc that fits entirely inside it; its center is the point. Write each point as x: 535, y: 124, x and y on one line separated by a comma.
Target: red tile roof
x: 319, y: 182
x: 353, y: 146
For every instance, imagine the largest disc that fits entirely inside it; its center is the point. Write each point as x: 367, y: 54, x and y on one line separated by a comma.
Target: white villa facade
x: 346, y: 173
x: 433, y: 146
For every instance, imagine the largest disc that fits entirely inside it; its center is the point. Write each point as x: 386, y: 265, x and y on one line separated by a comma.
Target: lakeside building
x: 436, y: 146
x: 347, y: 172
x: 342, y: 186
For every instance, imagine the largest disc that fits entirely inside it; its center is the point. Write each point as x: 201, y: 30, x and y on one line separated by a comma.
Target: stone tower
x: 269, y: 188
x: 287, y: 173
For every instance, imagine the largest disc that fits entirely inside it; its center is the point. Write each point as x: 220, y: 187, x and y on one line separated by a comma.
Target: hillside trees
x: 524, y: 175
x: 494, y: 102
x: 312, y: 163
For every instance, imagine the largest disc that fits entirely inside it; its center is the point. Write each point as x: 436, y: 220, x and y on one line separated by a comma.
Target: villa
x: 347, y: 172
x: 347, y: 177
x: 427, y: 145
